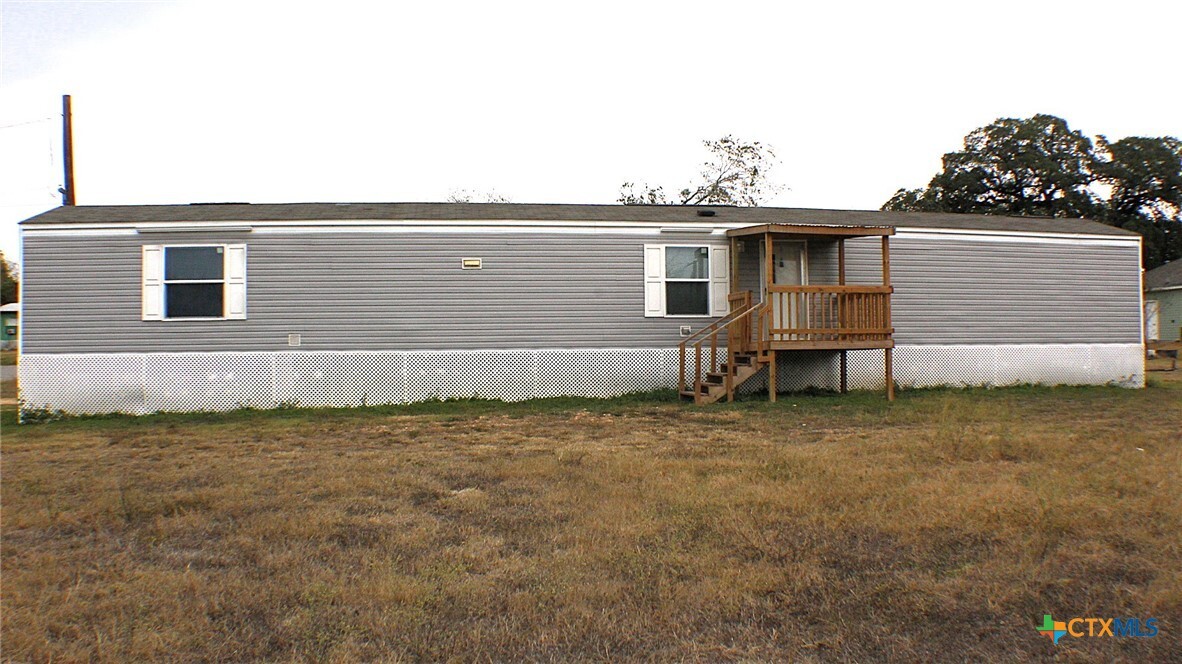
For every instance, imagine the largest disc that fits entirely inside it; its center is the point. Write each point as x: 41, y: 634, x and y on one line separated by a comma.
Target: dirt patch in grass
x: 941, y: 527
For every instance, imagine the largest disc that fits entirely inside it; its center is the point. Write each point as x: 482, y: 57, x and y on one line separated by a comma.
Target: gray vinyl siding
x: 748, y: 272
x: 822, y: 262
x: 406, y: 291
x: 959, y: 291
x: 359, y: 291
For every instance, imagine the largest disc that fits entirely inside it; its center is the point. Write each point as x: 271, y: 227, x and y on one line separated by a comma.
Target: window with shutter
x: 194, y: 282
x: 685, y: 280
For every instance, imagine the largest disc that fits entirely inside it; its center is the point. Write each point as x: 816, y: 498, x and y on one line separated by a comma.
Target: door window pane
x: 687, y: 298
x: 687, y: 263
x: 184, y: 263
x: 193, y: 301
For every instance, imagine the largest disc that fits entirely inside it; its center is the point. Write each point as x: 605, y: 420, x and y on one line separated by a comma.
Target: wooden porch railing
x: 829, y: 313
x: 811, y: 317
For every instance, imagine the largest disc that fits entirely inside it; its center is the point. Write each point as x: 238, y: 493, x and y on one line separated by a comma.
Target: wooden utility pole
x: 67, y: 151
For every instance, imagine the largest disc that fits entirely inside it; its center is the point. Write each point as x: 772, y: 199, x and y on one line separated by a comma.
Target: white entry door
x: 789, y: 269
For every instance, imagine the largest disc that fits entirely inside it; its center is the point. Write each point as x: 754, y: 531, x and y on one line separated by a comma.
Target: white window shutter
x: 720, y: 286
x: 235, y: 281
x: 153, y: 282
x: 654, y: 280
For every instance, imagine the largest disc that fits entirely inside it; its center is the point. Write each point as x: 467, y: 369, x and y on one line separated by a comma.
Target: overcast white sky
x: 185, y: 101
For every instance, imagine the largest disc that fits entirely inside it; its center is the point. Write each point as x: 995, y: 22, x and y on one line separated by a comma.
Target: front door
x: 788, y: 269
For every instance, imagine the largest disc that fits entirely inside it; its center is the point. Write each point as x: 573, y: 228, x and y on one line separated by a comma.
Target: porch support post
x: 886, y: 281
x: 768, y: 281
x: 733, y: 286
x: 844, y: 384
x: 841, y: 303
x: 841, y: 261
x: 767, y: 251
x: 771, y: 378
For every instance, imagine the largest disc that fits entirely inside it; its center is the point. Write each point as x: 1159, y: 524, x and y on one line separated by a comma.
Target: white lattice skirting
x: 965, y: 365
x: 149, y: 382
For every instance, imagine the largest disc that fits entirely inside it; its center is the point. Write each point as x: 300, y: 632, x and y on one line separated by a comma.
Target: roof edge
x: 127, y: 215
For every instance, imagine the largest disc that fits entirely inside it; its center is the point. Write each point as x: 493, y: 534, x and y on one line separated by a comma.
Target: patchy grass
x: 8, y: 358
x: 942, y: 526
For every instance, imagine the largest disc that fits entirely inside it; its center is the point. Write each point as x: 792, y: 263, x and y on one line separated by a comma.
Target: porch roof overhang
x: 812, y: 230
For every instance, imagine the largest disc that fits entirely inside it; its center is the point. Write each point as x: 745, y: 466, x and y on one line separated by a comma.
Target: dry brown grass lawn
x: 941, y: 527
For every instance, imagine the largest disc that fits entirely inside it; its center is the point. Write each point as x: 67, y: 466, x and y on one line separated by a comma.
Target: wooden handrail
x: 781, y: 288
x: 833, y: 330
x: 720, y: 322
x: 730, y: 324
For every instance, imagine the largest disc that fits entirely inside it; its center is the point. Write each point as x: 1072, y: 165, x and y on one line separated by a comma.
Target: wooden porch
x: 789, y: 316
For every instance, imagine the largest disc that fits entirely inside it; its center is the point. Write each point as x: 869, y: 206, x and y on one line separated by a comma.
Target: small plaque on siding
x: 293, y: 340
x: 470, y: 263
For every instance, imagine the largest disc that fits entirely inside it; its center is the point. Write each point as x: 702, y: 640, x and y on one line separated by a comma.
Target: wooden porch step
x: 713, y: 385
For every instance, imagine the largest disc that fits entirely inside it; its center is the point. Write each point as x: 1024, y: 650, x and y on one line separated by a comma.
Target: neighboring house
x: 203, y: 307
x: 1163, y: 302
x: 9, y: 325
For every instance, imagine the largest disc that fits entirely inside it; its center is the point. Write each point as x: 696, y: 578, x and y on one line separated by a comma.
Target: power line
x: 27, y: 122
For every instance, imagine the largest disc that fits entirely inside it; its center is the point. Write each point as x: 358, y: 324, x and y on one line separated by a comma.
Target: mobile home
x: 203, y: 307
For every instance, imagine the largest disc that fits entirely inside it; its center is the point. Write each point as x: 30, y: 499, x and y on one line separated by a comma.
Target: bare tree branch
x: 735, y: 174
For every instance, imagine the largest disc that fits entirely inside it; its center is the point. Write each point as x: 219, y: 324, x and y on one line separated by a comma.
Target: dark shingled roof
x: 1165, y: 276
x: 673, y: 214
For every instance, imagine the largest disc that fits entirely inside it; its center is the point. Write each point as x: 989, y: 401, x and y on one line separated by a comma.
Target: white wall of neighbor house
x: 388, y: 317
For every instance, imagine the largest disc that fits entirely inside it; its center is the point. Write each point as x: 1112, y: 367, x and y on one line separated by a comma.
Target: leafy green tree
x: 1145, y: 178
x: 1145, y: 175
x: 9, y: 288
x: 1039, y: 166
x: 736, y: 173
x: 911, y: 200
x: 1036, y: 166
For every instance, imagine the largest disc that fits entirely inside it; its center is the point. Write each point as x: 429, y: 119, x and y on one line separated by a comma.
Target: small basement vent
x: 293, y: 340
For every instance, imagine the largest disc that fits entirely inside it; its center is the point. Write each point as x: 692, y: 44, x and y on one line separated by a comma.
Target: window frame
x: 153, y: 286
x: 665, y: 280
x: 166, y: 281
